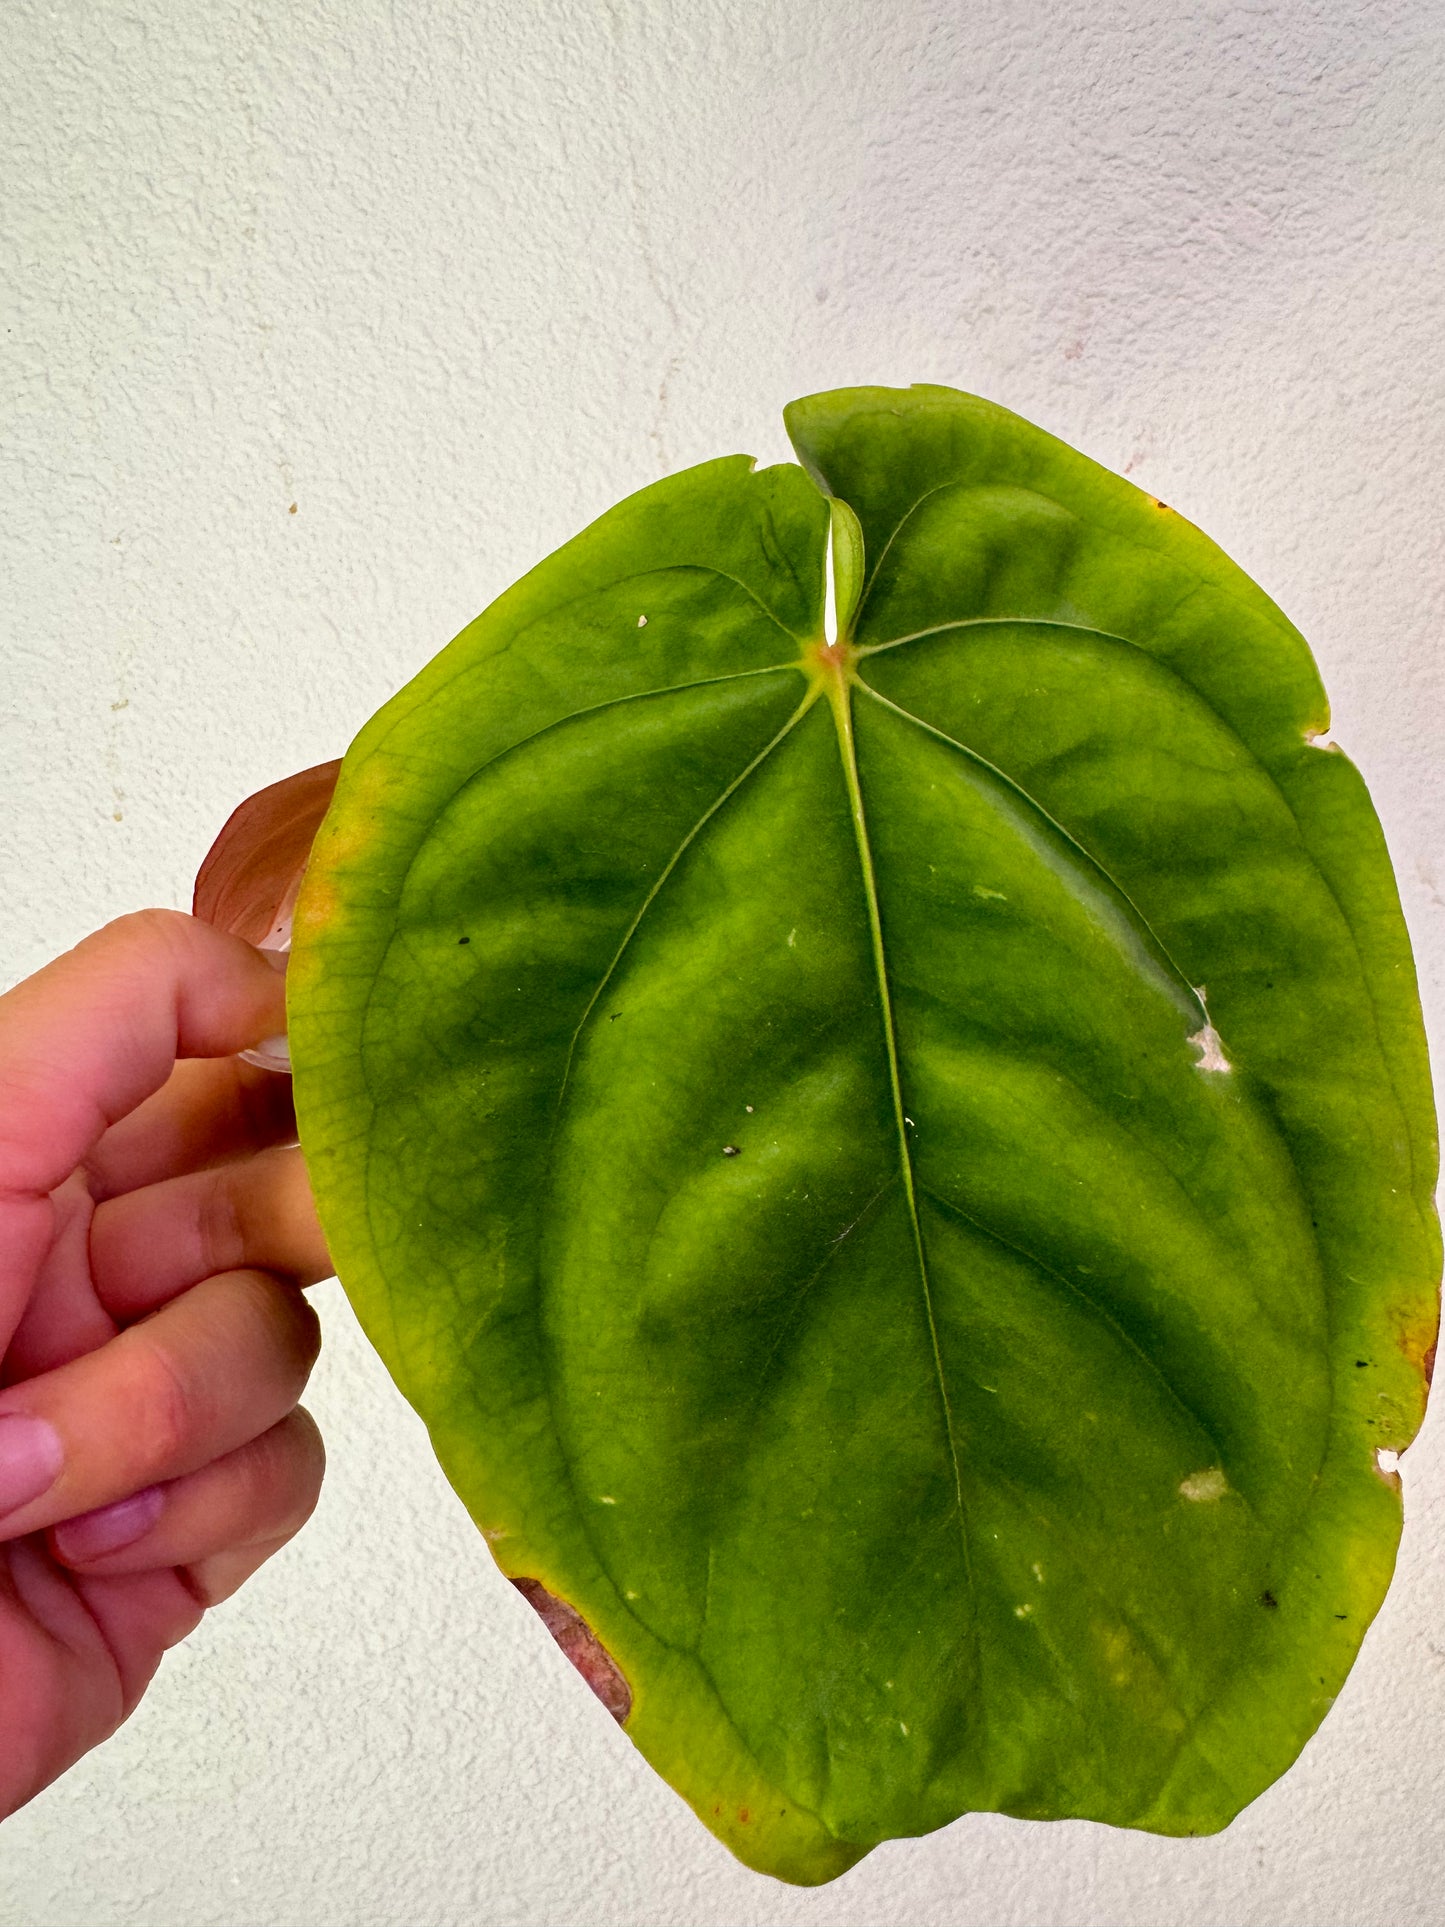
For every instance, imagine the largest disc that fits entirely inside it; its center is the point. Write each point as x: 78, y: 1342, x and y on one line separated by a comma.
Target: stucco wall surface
x: 322, y: 322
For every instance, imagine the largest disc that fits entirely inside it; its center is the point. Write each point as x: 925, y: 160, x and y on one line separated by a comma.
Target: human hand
x: 155, y: 1229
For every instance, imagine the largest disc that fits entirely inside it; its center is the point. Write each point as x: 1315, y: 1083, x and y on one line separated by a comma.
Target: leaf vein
x: 1100, y: 1310
x: 650, y: 899
x: 842, y: 709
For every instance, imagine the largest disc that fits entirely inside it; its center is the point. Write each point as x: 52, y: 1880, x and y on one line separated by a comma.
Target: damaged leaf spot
x: 1202, y: 1487
x: 1211, y: 1050
x: 581, y: 1646
x: 1268, y: 1599
x: 1418, y: 1334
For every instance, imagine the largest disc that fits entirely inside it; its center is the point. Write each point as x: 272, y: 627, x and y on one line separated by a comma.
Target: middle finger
x: 209, y: 1108
x: 147, y: 1246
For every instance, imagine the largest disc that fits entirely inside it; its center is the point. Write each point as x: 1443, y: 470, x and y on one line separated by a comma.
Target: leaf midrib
x: 841, y: 701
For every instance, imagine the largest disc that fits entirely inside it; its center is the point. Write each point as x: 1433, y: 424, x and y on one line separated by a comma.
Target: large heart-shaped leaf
x: 897, y: 1168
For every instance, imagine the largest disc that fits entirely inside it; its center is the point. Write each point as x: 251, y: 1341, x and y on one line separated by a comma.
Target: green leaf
x: 849, y: 564
x: 896, y: 1167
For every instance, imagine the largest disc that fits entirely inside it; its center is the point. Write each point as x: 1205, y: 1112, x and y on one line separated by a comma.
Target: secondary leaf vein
x: 686, y: 844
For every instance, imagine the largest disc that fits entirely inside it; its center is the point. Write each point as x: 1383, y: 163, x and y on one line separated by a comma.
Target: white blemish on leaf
x: 1204, y: 1486
x: 605, y: 1499
x: 1022, y: 1612
x: 1211, y: 1050
x: 792, y: 936
x: 642, y: 622
x: 995, y: 896
x: 1038, y: 1572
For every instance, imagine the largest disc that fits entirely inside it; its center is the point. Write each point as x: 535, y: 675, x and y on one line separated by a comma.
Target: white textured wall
x: 450, y: 278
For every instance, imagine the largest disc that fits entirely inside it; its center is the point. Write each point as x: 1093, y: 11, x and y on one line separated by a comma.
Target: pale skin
x: 156, y: 1229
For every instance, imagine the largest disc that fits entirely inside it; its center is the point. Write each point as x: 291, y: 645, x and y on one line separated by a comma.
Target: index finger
x: 87, y: 1038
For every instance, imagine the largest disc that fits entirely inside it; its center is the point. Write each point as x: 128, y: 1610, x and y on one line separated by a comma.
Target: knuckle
x: 310, y: 1332
x: 151, y: 929
x: 309, y: 1440
x: 214, y: 1579
x: 280, y: 1178
x: 308, y: 1457
x: 219, y: 1224
x: 157, y: 921
x: 285, y: 1468
x: 283, y: 1310
x: 305, y: 1325
x: 165, y: 1419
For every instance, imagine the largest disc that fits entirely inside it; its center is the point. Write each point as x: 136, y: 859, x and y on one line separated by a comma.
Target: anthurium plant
x: 860, y: 1065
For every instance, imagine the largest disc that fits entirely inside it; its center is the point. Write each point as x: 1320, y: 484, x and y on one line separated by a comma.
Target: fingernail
x: 31, y: 1456
x: 272, y: 1054
x: 110, y: 1527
